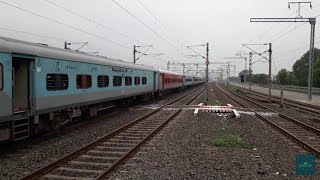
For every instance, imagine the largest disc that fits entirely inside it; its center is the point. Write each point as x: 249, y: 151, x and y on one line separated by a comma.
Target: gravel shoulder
x: 182, y: 151
x: 19, y: 159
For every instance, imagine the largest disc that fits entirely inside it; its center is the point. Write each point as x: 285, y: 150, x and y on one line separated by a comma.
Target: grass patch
x: 240, y: 91
x: 214, y: 103
x: 227, y: 139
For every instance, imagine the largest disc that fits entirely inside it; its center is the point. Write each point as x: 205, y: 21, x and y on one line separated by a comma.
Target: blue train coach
x: 42, y: 88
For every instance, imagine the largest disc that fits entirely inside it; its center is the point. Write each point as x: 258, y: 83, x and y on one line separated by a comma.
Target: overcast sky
x: 170, y: 26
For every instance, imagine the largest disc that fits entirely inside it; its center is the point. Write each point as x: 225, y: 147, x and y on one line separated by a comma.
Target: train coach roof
x: 169, y: 72
x: 27, y: 48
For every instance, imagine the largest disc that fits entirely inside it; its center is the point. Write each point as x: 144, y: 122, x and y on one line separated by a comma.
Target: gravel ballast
x: 19, y: 159
x: 182, y: 151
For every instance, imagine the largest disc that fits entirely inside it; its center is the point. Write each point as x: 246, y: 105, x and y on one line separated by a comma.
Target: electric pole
x: 299, y: 6
x: 142, y: 53
x: 69, y: 43
x: 207, y: 72
x: 270, y: 64
x: 300, y: 19
x: 183, y: 68
x: 260, y: 54
x: 250, y: 69
x: 245, y: 65
x: 206, y: 63
x: 134, y: 53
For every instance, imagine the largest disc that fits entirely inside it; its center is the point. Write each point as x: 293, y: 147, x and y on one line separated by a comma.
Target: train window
x: 144, y: 80
x: 136, y: 80
x: 117, y: 80
x: 128, y: 81
x: 1, y: 77
x: 56, y: 82
x: 84, y: 81
x: 103, y: 81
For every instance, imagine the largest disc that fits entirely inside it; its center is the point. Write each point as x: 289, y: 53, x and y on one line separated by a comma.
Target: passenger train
x: 43, y: 88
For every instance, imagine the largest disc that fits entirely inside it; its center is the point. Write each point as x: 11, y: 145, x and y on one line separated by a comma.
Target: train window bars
x: 128, y: 81
x: 1, y: 77
x: 56, y: 82
x: 144, y: 80
x: 117, y: 80
x: 136, y: 80
x: 103, y: 81
x: 84, y: 81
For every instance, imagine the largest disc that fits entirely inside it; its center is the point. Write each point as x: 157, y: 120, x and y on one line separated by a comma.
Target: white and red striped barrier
x: 217, y: 109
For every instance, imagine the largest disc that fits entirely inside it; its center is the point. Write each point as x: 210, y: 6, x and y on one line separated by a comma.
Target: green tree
x: 301, y: 68
x: 243, y: 72
x: 316, y: 74
x: 281, y: 77
x: 291, y: 79
x: 261, y: 79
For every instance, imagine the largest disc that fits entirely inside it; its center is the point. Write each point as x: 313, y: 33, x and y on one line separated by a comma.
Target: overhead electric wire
x: 135, y: 17
x: 253, y: 40
x: 67, y: 25
x: 295, y: 28
x: 104, y: 26
x: 92, y: 21
x: 159, y: 21
x: 277, y: 38
x: 277, y: 23
x: 33, y: 34
x: 287, y: 59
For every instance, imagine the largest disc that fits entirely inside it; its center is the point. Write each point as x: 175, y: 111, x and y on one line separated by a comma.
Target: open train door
x: 184, y: 81
x: 22, y: 87
x: 155, y: 81
x: 5, y: 96
x: 5, y: 87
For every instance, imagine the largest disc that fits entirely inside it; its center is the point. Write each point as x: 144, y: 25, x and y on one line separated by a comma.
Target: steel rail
x: 280, y: 114
x: 149, y: 136
x: 285, y: 132
x: 301, y: 105
x: 60, y: 162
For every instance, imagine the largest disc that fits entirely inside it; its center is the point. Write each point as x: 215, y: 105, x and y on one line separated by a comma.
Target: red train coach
x: 169, y: 80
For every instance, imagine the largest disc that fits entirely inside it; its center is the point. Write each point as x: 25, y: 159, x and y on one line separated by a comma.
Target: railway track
x: 303, y: 106
x: 97, y: 159
x: 303, y: 134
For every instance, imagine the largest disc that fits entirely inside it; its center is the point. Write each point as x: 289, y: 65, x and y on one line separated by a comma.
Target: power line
x: 274, y: 39
x: 279, y: 23
x: 158, y: 20
x: 33, y: 34
x: 287, y: 59
x: 91, y: 21
x: 61, y: 23
x: 135, y: 17
x: 299, y: 48
x: 272, y: 26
